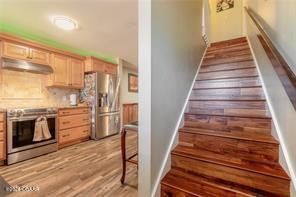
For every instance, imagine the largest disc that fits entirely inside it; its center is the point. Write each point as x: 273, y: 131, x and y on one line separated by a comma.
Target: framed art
x: 224, y: 5
x: 132, y: 82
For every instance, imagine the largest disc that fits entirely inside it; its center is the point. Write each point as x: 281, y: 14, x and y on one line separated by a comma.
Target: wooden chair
x: 131, y: 127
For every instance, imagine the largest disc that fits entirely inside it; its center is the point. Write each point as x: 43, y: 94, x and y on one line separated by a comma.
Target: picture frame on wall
x: 132, y: 82
x: 224, y: 5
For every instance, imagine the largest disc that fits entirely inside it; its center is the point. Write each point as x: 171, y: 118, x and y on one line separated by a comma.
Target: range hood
x: 21, y: 65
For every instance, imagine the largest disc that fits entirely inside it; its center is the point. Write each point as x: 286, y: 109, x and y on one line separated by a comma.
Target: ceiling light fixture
x: 64, y: 23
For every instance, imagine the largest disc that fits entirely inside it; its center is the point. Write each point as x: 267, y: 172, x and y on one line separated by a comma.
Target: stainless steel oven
x: 20, y: 133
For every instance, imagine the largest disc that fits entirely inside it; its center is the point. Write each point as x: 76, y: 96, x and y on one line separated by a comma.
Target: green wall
x: 7, y: 28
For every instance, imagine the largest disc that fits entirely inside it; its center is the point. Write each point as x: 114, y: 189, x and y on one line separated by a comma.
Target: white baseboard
x: 165, y: 160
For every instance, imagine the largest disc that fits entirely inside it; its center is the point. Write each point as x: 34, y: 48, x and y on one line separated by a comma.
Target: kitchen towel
x: 41, y: 131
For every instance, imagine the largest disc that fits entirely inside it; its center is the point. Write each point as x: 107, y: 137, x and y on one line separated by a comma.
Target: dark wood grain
x: 225, y: 146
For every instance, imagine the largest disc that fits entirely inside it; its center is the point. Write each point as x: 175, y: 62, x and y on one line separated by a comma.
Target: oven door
x: 20, y: 133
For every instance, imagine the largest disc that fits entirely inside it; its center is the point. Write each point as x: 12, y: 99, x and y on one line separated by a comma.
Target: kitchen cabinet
x: 2, y: 137
x: 67, y: 72
x: 76, y: 73
x: 93, y: 64
x: 22, y: 52
x: 130, y: 112
x: 74, y: 126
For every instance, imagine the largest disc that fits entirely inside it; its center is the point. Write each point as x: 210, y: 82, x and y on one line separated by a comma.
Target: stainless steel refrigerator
x: 101, y: 92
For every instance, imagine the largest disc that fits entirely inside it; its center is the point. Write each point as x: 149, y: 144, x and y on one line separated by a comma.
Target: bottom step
x: 178, y: 183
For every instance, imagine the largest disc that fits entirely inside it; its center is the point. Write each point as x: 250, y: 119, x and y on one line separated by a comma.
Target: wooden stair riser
x: 228, y: 74
x: 228, y: 83
x: 251, y: 179
x: 229, y: 66
x: 226, y: 55
x: 224, y: 123
x: 216, y: 49
x: 229, y: 108
x: 229, y: 42
x: 227, y: 60
x: 229, y: 49
x: 245, y: 149
x: 203, y: 189
x: 228, y: 94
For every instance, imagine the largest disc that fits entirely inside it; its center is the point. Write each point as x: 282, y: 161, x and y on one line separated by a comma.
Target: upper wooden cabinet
x: 16, y: 51
x: 39, y: 56
x: 76, y: 75
x: 67, y: 72
x: 93, y: 64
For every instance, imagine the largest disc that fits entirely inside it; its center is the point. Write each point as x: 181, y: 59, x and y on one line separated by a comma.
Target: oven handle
x: 31, y: 117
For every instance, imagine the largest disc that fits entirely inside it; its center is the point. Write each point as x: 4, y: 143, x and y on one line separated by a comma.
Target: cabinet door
x: 125, y: 114
x: 98, y: 66
x: 77, y: 73
x: 110, y: 69
x: 15, y: 51
x: 135, y: 112
x: 60, y: 70
x: 39, y: 56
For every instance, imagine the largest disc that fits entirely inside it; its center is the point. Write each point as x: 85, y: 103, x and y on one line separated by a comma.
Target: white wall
x: 170, y: 50
x: 227, y: 24
x: 176, y: 50
x: 278, y: 18
x: 125, y: 95
x: 282, y: 110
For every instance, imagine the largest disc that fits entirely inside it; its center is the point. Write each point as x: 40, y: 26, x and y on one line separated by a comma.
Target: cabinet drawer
x: 67, y: 112
x: 1, y: 136
x: 1, y: 127
x: 1, y: 117
x: 73, y: 121
x: 73, y: 134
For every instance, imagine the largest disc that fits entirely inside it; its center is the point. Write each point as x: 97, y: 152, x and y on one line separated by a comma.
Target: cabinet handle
x: 65, y: 112
x: 67, y: 122
x: 66, y: 135
x: 85, y: 119
x: 85, y: 131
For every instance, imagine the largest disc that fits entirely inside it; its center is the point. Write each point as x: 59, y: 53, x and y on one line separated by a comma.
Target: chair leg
x: 123, y: 135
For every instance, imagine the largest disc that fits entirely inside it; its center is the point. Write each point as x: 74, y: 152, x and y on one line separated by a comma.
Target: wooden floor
x: 92, y: 168
x: 226, y: 147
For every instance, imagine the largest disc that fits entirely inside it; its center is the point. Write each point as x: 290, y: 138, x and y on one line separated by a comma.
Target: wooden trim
x: 34, y: 44
x: 281, y: 67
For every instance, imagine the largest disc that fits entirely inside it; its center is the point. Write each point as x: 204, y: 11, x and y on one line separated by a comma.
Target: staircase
x: 226, y: 147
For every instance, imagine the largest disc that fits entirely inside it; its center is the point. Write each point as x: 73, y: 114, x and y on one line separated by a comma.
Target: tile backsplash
x: 22, y: 89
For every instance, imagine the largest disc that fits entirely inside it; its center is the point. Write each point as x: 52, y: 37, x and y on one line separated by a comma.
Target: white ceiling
x: 105, y: 26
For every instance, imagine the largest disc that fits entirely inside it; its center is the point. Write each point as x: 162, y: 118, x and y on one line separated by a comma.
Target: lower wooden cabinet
x: 74, y: 126
x: 2, y: 137
x: 130, y: 112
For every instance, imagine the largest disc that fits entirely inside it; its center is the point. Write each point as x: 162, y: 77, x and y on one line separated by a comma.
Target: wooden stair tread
x: 202, y: 186
x: 242, y: 135
x: 226, y: 60
x: 270, y: 169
